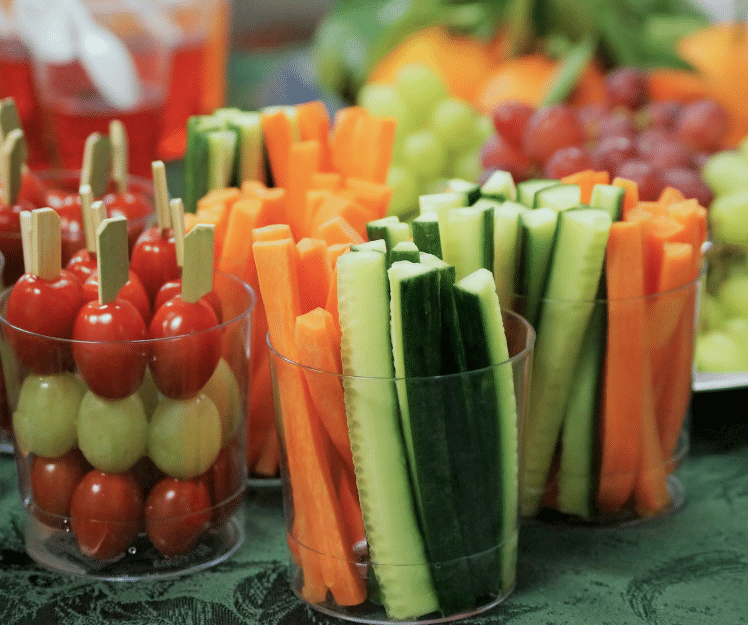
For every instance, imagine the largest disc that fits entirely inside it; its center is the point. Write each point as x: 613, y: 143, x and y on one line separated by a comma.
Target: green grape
x: 404, y: 190
x: 737, y: 328
x: 728, y: 218
x: 421, y: 89
x: 467, y: 165
x: 717, y: 352
x: 733, y: 295
x: 453, y: 121
x: 223, y: 389
x: 483, y: 130
x: 45, y: 420
x: 725, y: 172
x: 149, y: 393
x: 185, y: 436
x: 424, y: 155
x: 112, y: 434
x: 381, y: 99
x: 711, y: 315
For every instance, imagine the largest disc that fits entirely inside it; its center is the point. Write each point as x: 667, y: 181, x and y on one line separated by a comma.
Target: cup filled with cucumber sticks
x: 128, y: 414
x: 610, y: 286
x: 399, y: 407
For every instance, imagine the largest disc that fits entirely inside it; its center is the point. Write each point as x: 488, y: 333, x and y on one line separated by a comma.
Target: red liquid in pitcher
x: 16, y: 81
x: 183, y: 99
x: 77, y: 111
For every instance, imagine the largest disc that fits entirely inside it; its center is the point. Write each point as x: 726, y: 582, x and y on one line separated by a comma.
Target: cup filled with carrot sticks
x: 398, y: 405
x: 610, y: 285
x: 127, y: 412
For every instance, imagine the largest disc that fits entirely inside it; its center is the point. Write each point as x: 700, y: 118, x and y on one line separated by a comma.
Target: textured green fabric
x: 688, y: 568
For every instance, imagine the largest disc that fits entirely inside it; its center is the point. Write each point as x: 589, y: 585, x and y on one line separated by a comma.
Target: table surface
x: 688, y: 568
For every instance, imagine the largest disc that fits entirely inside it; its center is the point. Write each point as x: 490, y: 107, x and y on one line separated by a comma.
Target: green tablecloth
x: 688, y: 568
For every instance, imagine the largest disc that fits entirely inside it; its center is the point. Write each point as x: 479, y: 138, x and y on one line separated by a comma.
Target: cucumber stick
x: 538, y: 234
x: 577, y: 479
x: 405, y: 250
x: 249, y: 163
x: 485, y: 343
x: 569, y: 298
x: 466, y: 236
x: 559, y: 197
x: 499, y: 186
x: 197, y: 162
x: 425, y: 228
x: 507, y: 249
x: 527, y: 189
x: 371, y: 402
x: 416, y: 331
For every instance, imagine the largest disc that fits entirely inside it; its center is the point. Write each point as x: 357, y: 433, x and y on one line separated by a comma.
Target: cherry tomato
x: 174, y: 287
x: 33, y: 189
x: 131, y: 204
x: 10, y: 240
x: 176, y: 514
x: 181, y: 367
x: 82, y: 264
x: 225, y: 480
x: 53, y: 481
x: 47, y: 308
x: 154, y: 259
x: 106, y: 513
x: 133, y: 291
x: 107, y: 359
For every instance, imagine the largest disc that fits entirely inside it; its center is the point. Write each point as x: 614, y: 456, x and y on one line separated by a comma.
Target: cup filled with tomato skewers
x: 127, y: 421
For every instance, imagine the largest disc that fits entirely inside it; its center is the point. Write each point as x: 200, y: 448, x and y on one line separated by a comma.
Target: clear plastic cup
x: 604, y: 447
x: 144, y: 485
x: 359, y: 548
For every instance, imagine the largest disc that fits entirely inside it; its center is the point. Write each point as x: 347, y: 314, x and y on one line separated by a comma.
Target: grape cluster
x: 438, y: 136
x: 654, y: 143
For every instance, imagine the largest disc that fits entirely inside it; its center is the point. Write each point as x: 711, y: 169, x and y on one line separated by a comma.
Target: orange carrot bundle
x: 325, y: 541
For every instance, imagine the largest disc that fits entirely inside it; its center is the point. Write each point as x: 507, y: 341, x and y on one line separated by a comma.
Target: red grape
x: 689, y: 183
x: 549, y: 129
x: 669, y: 152
x: 617, y: 124
x: 510, y: 120
x: 702, y: 124
x: 662, y: 114
x: 498, y: 153
x: 626, y: 86
x: 646, y: 177
x: 566, y: 161
x: 591, y: 117
x: 611, y: 152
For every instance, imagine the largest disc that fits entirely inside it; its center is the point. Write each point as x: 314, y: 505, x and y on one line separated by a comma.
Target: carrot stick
x: 378, y: 135
x: 274, y: 200
x: 631, y: 193
x: 314, y: 124
x: 586, y: 179
x: 343, y: 139
x: 328, y: 180
x: 303, y: 161
x: 338, y: 230
x: 656, y: 232
x: 261, y: 415
x: 237, y: 246
x: 351, y: 506
x: 311, y: 466
x: 651, y: 494
x: 670, y: 195
x: 334, y: 205
x: 372, y: 195
x: 314, y: 273
x: 623, y: 383
x: 673, y: 342
x: 331, y: 304
x: 336, y: 250
x: 318, y: 344
x: 280, y: 134
x: 226, y: 196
